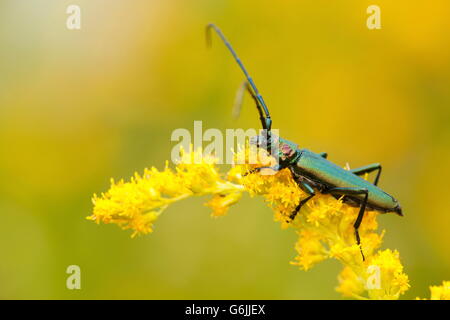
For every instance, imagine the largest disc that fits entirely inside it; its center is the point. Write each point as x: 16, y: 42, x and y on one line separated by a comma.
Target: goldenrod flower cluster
x: 440, y: 292
x: 138, y: 203
x: 324, y: 224
x: 325, y: 230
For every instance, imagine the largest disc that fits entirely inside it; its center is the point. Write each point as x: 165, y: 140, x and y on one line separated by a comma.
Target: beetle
x: 312, y: 171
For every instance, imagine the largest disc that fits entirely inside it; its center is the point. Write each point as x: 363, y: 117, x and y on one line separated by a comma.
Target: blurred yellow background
x: 80, y: 106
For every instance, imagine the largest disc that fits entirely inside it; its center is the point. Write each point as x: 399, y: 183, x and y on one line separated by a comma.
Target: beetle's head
x: 279, y: 147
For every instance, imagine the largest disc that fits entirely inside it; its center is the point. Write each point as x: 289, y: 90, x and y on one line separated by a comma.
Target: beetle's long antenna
x: 239, y: 99
x: 267, y: 122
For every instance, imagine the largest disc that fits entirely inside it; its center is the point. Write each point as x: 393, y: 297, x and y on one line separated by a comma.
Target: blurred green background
x: 80, y: 106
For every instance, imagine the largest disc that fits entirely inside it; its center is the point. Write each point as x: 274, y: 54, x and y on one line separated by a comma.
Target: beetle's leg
x: 310, y: 191
x: 362, y: 208
x: 367, y: 169
x: 323, y: 155
x: 275, y: 168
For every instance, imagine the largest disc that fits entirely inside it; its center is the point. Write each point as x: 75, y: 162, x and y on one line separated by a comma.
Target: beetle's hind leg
x: 311, y: 193
x: 362, y: 208
x: 368, y: 169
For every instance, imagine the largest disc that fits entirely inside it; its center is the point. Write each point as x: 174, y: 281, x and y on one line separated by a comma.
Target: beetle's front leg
x: 275, y: 168
x: 362, y: 208
x: 311, y: 193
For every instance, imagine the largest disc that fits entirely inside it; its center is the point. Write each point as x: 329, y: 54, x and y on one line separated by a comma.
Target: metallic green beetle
x: 312, y: 171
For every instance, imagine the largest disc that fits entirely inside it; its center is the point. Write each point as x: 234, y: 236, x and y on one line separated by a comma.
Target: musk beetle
x: 312, y: 171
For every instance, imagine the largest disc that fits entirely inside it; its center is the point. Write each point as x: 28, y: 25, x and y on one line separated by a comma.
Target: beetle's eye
x: 286, y: 150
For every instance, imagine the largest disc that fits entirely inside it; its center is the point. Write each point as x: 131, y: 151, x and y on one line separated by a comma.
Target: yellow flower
x: 138, y: 203
x: 221, y: 202
x: 325, y: 229
x: 324, y: 224
x: 381, y: 275
x: 309, y: 248
x: 440, y: 292
x: 393, y: 281
x: 350, y: 285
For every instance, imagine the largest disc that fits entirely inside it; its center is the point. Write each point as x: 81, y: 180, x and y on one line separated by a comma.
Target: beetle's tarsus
x: 362, y: 209
x: 311, y: 193
x: 358, y: 242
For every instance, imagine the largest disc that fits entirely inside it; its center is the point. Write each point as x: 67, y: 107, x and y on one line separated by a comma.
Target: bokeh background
x: 79, y: 107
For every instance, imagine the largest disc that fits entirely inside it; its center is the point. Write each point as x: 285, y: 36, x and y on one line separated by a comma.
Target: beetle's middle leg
x: 311, y: 193
x: 368, y: 169
x: 362, y: 208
